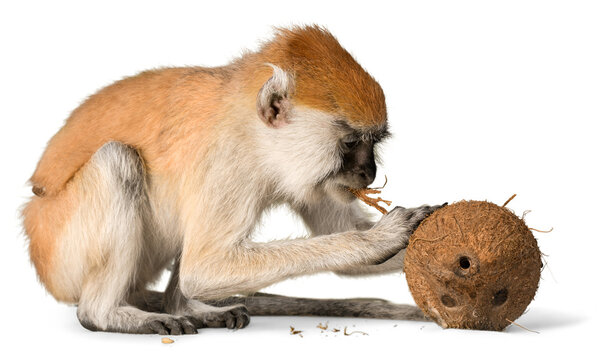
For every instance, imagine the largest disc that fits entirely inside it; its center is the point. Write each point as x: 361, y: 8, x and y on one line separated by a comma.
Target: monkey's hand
x: 392, y: 232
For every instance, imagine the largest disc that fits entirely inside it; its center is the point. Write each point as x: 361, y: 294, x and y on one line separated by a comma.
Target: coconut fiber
x: 473, y: 265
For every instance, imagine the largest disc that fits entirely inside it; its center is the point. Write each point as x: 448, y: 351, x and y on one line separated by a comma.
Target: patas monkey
x: 177, y: 165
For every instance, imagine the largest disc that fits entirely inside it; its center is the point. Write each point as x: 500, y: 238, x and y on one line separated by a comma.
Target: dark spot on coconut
x: 448, y: 301
x: 499, y: 297
x: 464, y: 262
x: 465, y: 265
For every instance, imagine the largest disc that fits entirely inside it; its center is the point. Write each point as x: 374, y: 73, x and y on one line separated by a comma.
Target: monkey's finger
x: 188, y: 327
x: 242, y: 319
x: 174, y: 326
x: 158, y: 327
x: 230, y: 320
x: 196, y: 322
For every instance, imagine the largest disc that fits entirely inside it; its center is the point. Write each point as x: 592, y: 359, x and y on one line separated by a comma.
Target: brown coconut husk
x: 473, y: 265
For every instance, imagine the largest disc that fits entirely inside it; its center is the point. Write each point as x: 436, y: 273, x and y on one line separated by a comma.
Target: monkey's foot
x: 231, y: 317
x: 127, y: 319
x: 164, y: 324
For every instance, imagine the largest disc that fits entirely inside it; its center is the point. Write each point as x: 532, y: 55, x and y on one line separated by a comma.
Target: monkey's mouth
x: 340, y: 191
x: 346, y: 189
x: 350, y: 189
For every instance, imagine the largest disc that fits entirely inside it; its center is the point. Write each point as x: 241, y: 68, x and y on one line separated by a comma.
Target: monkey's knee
x: 123, y: 165
x: 105, y: 230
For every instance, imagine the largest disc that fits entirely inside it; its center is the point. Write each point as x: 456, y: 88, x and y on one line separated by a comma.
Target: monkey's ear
x: 273, y: 101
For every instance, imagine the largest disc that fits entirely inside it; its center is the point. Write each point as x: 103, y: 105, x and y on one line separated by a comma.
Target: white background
x: 486, y: 99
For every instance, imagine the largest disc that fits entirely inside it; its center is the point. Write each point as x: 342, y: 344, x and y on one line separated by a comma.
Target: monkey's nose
x: 367, y: 175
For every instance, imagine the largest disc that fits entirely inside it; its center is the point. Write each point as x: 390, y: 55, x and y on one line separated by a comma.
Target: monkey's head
x: 323, y: 114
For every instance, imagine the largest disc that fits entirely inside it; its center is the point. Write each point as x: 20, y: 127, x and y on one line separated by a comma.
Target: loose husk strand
x: 521, y: 327
x: 362, y: 194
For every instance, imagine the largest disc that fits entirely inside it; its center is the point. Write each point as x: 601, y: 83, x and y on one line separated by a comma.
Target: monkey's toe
x: 238, y: 318
x: 233, y: 318
x: 171, y: 325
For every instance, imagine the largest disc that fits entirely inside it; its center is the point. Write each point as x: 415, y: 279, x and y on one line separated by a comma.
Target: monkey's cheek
x: 341, y: 194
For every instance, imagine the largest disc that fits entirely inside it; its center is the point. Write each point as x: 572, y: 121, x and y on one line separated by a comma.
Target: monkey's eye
x: 349, y: 143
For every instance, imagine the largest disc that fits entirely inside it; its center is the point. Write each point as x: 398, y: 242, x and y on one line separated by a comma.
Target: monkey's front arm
x: 246, y: 266
x: 331, y: 217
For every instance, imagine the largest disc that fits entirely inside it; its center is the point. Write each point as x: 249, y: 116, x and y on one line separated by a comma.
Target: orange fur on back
x: 166, y: 114
x: 154, y: 112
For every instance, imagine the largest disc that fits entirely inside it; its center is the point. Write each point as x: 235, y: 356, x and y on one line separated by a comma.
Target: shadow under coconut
x: 542, y: 319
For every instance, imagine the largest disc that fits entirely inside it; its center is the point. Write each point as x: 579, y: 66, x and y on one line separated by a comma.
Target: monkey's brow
x: 374, y: 134
x: 381, y: 133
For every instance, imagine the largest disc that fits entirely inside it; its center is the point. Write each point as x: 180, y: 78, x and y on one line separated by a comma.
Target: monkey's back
x: 145, y: 111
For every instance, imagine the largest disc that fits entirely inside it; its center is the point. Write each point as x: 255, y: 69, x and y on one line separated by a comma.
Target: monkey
x: 174, y: 167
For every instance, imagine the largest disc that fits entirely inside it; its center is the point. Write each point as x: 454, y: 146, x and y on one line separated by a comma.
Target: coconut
x: 473, y: 265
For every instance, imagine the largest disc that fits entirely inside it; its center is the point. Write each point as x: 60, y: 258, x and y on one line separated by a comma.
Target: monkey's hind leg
x: 172, y: 301
x: 107, y: 231
x: 261, y: 304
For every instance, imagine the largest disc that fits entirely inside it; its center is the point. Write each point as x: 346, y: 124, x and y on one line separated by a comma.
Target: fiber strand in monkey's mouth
x: 362, y: 194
